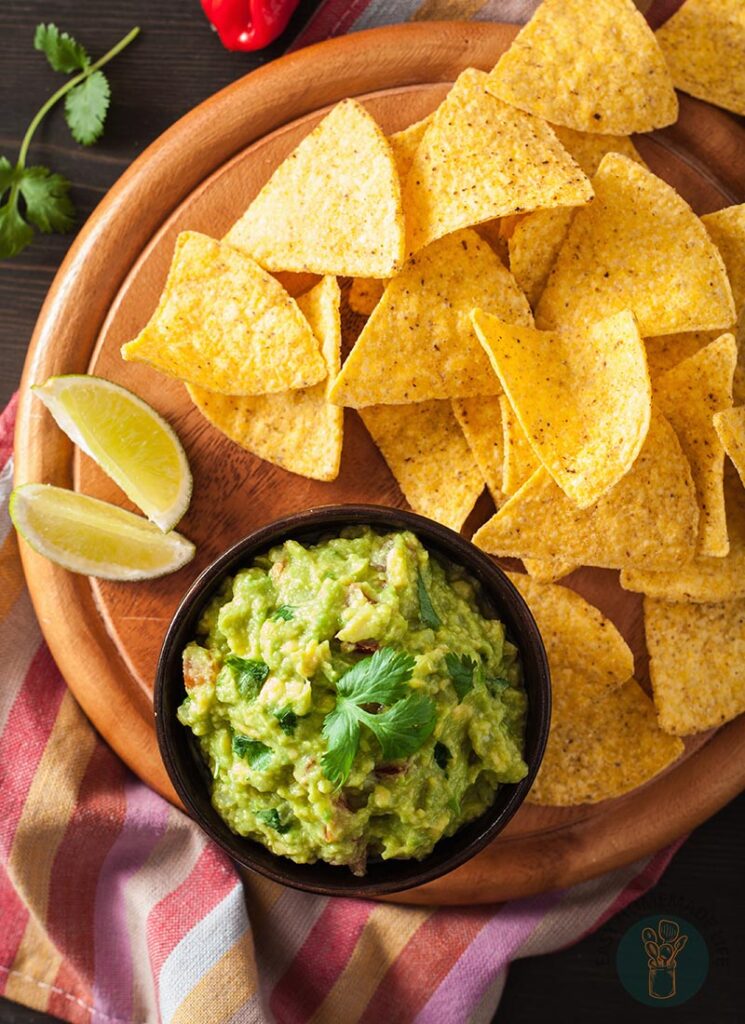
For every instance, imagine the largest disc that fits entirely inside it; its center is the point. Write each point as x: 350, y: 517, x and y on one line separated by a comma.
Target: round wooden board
x: 201, y: 175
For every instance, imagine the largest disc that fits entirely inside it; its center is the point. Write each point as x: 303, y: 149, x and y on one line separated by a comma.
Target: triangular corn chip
x: 730, y: 426
x: 548, y: 570
x: 481, y: 159
x: 704, y: 579
x: 333, y: 206
x: 428, y: 455
x: 297, y: 430
x: 649, y: 518
x: 519, y: 461
x: 689, y: 395
x: 536, y: 240
x: 365, y: 292
x: 600, y: 748
x: 419, y: 343
x: 576, y: 636
x: 638, y: 246
x: 481, y: 422
x: 226, y: 325
x: 667, y: 350
x: 592, y: 65
x: 727, y: 229
x: 582, y: 396
x: 697, y: 663
x: 704, y: 46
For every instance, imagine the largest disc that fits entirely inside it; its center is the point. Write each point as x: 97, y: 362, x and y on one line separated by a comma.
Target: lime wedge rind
x: 152, y: 470
x: 92, y: 537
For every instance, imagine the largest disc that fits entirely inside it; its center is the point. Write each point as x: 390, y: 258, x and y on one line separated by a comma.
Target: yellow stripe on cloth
x: 223, y: 989
x: 447, y: 10
x: 11, y: 574
x: 46, y: 813
x: 386, y: 933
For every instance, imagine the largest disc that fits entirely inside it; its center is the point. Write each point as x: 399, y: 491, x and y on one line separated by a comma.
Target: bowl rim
x: 333, y: 518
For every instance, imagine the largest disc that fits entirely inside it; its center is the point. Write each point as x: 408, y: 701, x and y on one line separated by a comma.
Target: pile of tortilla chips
x: 542, y: 316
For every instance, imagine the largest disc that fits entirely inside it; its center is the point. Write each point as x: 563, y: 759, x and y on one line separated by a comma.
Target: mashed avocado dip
x: 351, y: 700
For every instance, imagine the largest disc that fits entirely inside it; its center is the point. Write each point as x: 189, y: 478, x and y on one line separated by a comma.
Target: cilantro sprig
x: 401, y: 729
x: 35, y: 197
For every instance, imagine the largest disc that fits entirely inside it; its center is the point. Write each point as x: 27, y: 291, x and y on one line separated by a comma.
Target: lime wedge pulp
x: 128, y: 439
x: 86, y: 535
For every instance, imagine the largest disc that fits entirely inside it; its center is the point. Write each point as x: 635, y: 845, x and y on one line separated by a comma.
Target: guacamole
x: 352, y: 701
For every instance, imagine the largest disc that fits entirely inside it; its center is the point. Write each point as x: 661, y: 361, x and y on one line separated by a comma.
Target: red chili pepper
x: 248, y: 24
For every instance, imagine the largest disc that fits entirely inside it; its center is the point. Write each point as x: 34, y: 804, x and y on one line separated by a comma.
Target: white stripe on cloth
x: 200, y: 949
x: 168, y: 866
x: 385, y: 12
x: 20, y: 638
x: 6, y: 486
x: 484, y: 1012
x: 516, y: 12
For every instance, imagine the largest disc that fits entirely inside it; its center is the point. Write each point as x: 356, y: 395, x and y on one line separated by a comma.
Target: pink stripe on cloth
x: 7, y: 427
x: 14, y: 917
x: 333, y: 18
x: 460, y: 992
x: 145, y: 822
x: 319, y: 962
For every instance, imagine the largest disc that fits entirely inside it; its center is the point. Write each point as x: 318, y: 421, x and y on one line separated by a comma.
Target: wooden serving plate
x: 202, y: 174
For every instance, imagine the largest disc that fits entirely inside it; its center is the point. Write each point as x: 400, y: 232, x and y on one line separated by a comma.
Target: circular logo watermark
x: 662, y: 961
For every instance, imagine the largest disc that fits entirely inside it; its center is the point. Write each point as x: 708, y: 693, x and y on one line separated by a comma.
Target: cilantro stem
x: 63, y: 90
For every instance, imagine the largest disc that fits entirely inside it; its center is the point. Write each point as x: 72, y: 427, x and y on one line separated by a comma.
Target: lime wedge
x: 127, y: 439
x: 86, y: 535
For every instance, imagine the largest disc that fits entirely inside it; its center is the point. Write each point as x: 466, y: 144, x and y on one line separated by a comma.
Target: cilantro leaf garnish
x: 496, y: 684
x: 285, y: 611
x: 287, y: 720
x: 34, y: 195
x: 250, y: 675
x: 401, y: 729
x: 258, y: 754
x: 271, y: 818
x: 461, y: 669
x: 427, y: 613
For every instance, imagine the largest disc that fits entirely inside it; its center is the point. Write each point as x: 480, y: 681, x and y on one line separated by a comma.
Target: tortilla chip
x: 364, y: 294
x: 727, y: 230
x: 577, y: 636
x: 591, y: 65
x: 649, y: 518
x: 333, y: 206
x: 697, y: 663
x: 582, y: 396
x: 537, y: 238
x: 704, y: 46
x: 481, y: 158
x: 600, y: 748
x: 667, y: 350
x: 730, y: 426
x: 639, y: 246
x: 519, y: 461
x: 419, y: 342
x: 704, y: 579
x: 428, y: 455
x: 689, y: 395
x: 548, y: 570
x: 481, y: 422
x: 297, y: 430
x: 226, y: 325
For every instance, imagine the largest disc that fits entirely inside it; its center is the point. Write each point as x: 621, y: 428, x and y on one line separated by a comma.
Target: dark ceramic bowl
x: 191, y: 778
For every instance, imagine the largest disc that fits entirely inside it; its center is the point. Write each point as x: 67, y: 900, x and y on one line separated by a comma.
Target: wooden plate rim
x: 66, y: 331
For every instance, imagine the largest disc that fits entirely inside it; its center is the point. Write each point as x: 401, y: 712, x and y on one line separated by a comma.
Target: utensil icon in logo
x: 662, y: 947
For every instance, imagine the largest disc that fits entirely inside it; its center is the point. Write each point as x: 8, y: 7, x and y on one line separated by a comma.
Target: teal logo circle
x: 662, y: 960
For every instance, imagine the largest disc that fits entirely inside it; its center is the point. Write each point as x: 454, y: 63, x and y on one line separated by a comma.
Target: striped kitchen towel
x: 115, y: 908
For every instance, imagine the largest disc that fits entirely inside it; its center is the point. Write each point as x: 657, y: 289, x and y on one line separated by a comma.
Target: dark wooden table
x: 175, y: 64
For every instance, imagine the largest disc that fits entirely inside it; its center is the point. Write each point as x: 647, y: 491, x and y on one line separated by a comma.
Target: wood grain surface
x: 105, y: 292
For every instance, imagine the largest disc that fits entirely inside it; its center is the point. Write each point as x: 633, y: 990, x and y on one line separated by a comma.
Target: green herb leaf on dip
x: 427, y: 613
x: 287, y: 720
x: 250, y: 675
x: 285, y: 611
x: 258, y: 754
x: 461, y: 669
x: 271, y: 818
x: 401, y: 730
